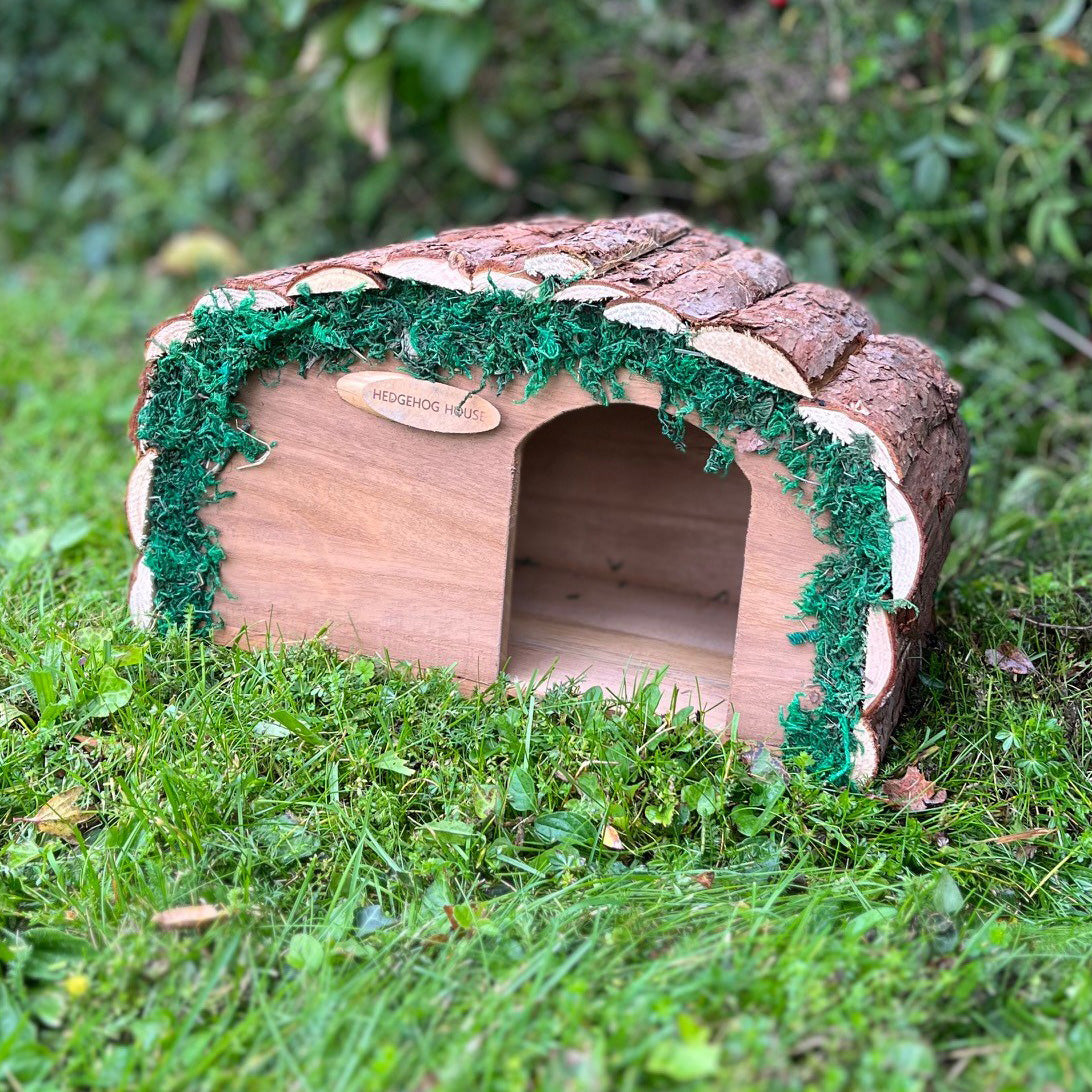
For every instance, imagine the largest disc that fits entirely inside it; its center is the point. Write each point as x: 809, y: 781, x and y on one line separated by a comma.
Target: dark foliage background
x: 902, y: 149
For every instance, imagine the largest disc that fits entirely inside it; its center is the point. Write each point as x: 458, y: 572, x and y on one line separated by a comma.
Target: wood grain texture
x: 635, y: 278
x: 603, y: 244
x: 893, y: 389
x: 383, y: 539
x: 417, y: 403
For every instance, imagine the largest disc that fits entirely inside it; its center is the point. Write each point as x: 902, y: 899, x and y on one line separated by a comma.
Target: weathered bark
x: 814, y: 327
x: 737, y: 304
x: 452, y: 258
x: 926, y: 502
x: 632, y: 279
x: 706, y: 293
x: 602, y: 245
x: 893, y: 389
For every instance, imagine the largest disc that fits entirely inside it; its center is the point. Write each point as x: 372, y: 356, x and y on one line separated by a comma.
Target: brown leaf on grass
x: 1020, y: 836
x: 60, y: 815
x: 1009, y: 658
x: 1069, y: 49
x: 913, y: 791
x: 704, y: 879
x: 196, y: 916
x: 611, y: 838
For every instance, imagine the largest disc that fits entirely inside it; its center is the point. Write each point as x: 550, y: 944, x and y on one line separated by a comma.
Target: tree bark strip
x: 604, y: 244
x: 644, y: 274
x: 816, y: 327
x: 896, y: 389
x: 719, y: 287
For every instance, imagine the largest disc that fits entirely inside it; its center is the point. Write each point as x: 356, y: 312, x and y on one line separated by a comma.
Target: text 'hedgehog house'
x: 508, y: 501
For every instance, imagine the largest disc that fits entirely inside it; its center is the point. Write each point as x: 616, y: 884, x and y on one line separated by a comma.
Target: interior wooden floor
x: 614, y: 635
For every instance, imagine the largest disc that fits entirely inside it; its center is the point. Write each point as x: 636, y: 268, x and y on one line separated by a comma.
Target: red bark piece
x: 895, y: 390
x: 706, y: 293
x: 652, y: 270
x: 605, y: 244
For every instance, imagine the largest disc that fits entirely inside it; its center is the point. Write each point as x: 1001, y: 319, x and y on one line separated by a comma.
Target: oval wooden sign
x: 434, y: 407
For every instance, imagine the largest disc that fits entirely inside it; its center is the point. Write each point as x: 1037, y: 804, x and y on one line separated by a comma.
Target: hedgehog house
x: 560, y: 449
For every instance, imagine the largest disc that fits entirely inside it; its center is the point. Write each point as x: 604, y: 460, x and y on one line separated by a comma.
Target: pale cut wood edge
x: 435, y: 271
x: 503, y: 280
x: 142, y: 595
x: 648, y: 316
x: 866, y: 760
x: 604, y: 244
x: 334, y: 279
x: 845, y: 429
x: 590, y: 292
x: 880, y: 660
x: 893, y: 389
x: 751, y: 356
x: 138, y: 493
x: 166, y: 334
x: 873, y: 732
x: 560, y: 265
x: 228, y: 298
x: 907, y: 543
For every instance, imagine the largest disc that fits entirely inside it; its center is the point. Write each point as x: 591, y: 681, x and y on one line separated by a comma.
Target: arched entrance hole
x: 628, y: 556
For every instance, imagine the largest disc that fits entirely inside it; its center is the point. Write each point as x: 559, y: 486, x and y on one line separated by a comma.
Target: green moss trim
x: 193, y: 421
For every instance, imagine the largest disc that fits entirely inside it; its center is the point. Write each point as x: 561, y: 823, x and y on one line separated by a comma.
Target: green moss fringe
x: 192, y: 421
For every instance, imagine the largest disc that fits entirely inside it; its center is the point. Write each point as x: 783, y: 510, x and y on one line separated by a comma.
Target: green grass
x: 336, y: 808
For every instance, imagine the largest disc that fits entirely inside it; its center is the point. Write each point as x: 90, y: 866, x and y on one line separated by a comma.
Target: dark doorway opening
x: 628, y: 557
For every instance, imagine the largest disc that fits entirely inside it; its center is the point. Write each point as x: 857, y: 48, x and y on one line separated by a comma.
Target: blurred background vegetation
x: 931, y: 156
x: 903, y: 149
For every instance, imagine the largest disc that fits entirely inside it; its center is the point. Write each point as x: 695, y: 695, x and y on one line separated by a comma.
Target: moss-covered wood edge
x: 194, y: 423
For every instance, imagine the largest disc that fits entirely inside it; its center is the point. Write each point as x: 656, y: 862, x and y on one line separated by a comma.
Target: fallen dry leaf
x: 1068, y: 49
x: 1010, y: 658
x: 60, y: 815
x: 913, y: 791
x: 611, y: 838
x: 705, y: 879
x: 198, y: 916
x: 1021, y: 836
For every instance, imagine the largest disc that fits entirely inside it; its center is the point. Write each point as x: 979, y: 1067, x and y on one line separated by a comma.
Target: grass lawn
x: 417, y: 890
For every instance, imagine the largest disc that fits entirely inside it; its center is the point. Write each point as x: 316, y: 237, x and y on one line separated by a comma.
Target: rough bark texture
x: 604, y: 244
x: 719, y: 287
x: 931, y: 490
x: 736, y: 301
x: 898, y: 390
x: 633, y: 279
x: 816, y: 327
x: 471, y: 250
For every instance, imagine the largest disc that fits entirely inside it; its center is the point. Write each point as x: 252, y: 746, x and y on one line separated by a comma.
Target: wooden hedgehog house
x: 560, y: 449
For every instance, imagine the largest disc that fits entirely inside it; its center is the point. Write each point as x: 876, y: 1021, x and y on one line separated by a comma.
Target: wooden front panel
x: 386, y: 537
x: 391, y: 539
